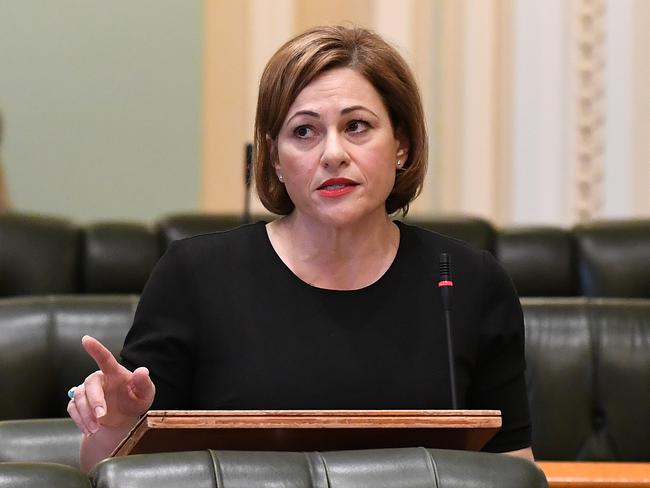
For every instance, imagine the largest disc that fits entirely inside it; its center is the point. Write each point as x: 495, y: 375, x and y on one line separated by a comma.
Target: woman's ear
x: 273, y: 157
x: 402, y: 146
x: 273, y: 151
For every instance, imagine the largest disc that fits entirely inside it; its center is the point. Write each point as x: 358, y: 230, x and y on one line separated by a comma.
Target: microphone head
x: 445, y: 267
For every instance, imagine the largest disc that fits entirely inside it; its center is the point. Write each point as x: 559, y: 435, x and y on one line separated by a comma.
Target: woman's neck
x: 344, y: 257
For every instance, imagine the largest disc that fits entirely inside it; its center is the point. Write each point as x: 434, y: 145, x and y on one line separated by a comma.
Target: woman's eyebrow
x: 304, y: 112
x: 357, y: 107
x: 346, y: 110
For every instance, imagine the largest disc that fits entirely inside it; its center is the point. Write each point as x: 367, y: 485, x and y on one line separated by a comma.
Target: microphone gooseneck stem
x: 450, y: 356
x: 446, y: 286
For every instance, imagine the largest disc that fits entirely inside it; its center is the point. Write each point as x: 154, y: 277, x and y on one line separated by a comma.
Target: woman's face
x: 337, y: 151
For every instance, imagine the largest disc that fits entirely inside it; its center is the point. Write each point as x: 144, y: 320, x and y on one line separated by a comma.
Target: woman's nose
x: 334, y: 153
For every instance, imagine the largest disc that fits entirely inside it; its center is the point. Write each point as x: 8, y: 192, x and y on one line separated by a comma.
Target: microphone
x: 248, y: 167
x: 446, y: 286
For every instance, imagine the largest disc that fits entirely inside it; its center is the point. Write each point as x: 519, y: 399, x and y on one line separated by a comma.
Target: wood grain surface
x: 305, y: 430
x: 579, y: 474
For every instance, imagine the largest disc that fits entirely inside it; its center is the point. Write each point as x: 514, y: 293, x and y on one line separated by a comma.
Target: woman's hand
x: 113, y: 396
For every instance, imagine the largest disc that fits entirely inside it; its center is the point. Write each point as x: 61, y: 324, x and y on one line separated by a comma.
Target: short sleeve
x: 499, y: 380
x: 162, y: 336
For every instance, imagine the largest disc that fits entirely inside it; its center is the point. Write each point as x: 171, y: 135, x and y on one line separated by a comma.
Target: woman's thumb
x: 142, y: 386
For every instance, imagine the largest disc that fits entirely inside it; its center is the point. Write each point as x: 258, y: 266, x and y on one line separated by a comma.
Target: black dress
x: 224, y: 324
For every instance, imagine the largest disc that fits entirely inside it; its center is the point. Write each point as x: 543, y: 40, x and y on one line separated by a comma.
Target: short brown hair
x: 313, y: 52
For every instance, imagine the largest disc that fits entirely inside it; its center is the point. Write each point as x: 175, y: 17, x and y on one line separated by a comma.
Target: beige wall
x: 225, y: 72
x: 500, y: 139
x: 114, y: 113
x: 311, y: 13
x: 641, y: 114
x: 473, y: 123
x: 239, y: 39
x: 460, y: 52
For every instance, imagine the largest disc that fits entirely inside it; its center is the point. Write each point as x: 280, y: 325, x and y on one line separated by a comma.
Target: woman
x: 333, y: 305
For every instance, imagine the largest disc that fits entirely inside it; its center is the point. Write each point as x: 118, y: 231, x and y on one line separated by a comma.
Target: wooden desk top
x: 583, y: 474
x: 302, y: 430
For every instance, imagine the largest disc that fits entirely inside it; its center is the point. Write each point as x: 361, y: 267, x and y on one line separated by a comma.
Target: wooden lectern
x: 309, y: 430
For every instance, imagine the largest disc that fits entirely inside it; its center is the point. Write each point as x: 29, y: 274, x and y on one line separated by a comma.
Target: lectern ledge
x: 309, y: 430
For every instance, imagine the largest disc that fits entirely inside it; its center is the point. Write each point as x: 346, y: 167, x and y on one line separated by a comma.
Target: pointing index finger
x: 102, y: 356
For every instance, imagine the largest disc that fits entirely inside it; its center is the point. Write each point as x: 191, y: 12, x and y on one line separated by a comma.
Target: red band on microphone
x: 445, y: 283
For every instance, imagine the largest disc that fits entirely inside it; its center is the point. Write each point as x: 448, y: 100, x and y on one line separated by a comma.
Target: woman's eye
x: 357, y: 126
x: 303, y: 132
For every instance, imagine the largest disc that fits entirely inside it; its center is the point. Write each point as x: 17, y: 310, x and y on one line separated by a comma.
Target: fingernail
x: 93, y: 427
x: 99, y: 412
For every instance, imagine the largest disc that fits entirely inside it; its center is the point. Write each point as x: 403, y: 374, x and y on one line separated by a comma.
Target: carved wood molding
x: 590, y: 113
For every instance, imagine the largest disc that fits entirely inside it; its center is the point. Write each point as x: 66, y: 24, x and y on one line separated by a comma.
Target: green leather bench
x: 383, y: 468
x: 588, y: 373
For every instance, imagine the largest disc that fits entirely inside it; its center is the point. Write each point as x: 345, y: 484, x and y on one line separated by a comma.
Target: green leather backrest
x: 40, y: 440
x: 410, y: 467
x: 588, y: 376
x: 40, y: 348
x: 588, y: 367
x: 39, y: 475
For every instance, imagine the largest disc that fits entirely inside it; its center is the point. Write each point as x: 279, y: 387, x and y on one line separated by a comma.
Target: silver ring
x: 71, y: 392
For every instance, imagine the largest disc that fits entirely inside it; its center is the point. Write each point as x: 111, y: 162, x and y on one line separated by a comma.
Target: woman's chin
x: 350, y: 215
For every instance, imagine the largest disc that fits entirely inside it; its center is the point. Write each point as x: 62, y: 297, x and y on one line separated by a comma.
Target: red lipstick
x: 336, y: 187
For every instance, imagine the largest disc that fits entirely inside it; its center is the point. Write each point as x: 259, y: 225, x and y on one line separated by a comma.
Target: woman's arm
x: 108, y: 404
x: 499, y: 381
x: 97, y: 447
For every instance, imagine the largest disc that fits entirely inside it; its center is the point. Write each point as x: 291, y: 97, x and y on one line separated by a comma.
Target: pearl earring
x: 281, y: 178
x: 399, y: 163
